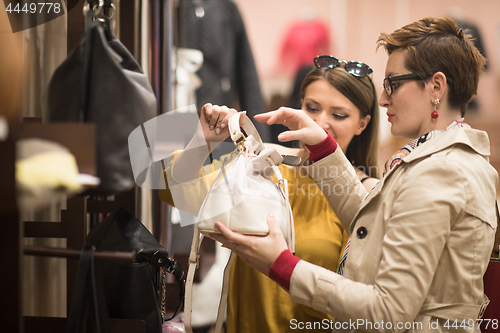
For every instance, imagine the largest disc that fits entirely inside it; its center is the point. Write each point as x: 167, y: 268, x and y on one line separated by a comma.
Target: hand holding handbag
x: 243, y: 194
x: 241, y: 197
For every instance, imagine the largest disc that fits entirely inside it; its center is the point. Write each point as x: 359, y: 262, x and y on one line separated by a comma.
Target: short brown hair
x: 437, y: 44
x: 362, y: 150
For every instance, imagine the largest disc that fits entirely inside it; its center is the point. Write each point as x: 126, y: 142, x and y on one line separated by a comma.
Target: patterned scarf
x: 406, y: 150
x: 396, y: 159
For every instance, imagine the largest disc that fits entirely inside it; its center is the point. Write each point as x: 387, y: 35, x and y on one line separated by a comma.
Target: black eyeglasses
x: 388, y: 81
x: 355, y: 68
x: 389, y: 88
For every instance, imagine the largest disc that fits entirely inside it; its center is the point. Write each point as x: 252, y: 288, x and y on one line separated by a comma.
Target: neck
x: 441, y: 123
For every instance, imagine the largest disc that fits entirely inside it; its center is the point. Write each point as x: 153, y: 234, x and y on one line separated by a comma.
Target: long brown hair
x: 363, y: 149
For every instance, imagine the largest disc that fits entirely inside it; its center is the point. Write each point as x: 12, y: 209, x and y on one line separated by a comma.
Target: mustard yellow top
x: 258, y: 304
x: 255, y: 302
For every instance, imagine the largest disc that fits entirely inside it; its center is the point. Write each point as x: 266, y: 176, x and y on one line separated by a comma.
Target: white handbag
x: 241, y: 197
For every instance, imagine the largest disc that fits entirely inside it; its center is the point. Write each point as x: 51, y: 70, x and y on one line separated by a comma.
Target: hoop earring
x: 434, y: 113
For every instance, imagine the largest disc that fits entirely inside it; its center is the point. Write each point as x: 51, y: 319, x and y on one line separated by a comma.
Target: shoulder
x: 462, y: 159
x: 458, y: 175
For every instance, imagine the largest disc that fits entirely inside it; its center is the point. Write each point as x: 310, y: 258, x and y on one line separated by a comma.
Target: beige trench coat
x: 420, y: 240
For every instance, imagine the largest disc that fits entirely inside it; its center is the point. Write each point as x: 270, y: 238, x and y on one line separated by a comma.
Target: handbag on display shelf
x: 492, y: 286
x: 132, y: 290
x: 241, y: 197
x: 100, y: 82
x: 87, y: 298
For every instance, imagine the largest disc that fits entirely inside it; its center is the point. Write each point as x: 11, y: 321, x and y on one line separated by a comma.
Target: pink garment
x: 303, y: 41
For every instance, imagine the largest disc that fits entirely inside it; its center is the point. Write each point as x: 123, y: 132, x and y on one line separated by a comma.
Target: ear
x: 362, y: 124
x: 438, y: 85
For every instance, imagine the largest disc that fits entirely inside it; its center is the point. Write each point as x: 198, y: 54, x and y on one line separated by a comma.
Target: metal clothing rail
x: 121, y: 257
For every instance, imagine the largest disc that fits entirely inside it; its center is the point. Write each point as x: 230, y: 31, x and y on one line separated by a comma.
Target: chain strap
x: 163, y: 272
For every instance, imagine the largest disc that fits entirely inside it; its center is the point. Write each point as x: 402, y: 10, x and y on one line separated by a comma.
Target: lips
x: 389, y: 116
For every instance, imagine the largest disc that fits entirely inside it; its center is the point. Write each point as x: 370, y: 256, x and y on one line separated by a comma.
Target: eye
x: 339, y: 116
x: 311, y: 108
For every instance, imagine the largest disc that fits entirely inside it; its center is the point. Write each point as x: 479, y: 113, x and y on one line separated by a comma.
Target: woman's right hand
x: 301, y: 126
x: 212, y: 129
x: 214, y: 122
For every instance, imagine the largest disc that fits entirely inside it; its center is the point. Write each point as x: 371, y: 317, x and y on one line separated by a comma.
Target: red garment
x: 303, y: 41
x: 282, y: 268
x: 322, y: 149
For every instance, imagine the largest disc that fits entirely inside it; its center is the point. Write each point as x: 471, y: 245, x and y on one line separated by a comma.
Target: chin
x: 397, y: 133
x: 393, y: 131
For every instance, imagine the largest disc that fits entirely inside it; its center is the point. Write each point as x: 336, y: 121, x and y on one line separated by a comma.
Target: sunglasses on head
x: 355, y: 68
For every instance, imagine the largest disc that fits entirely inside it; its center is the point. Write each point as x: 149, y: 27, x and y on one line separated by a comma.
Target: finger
x: 220, y: 238
x: 275, y: 117
x: 273, y: 224
x: 291, y: 135
x: 224, y: 123
x: 224, y: 110
x: 216, y: 112
x: 231, y: 236
x: 283, y: 113
x: 206, y: 110
x: 225, y: 120
x: 225, y: 243
x: 242, y: 118
x: 263, y: 117
x: 275, y: 231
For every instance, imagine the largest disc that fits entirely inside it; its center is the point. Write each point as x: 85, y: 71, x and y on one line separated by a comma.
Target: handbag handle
x: 88, y: 293
x: 249, y: 129
x: 93, y: 18
x: 90, y: 31
x: 237, y: 136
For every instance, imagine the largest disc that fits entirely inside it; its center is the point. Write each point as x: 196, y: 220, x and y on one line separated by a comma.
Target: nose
x: 384, y: 100
x: 322, y: 120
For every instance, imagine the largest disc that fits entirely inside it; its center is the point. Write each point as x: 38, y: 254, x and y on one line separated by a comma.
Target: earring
x: 434, y: 113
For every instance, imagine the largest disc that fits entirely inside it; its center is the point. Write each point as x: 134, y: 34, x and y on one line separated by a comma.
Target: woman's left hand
x: 301, y: 126
x: 256, y: 251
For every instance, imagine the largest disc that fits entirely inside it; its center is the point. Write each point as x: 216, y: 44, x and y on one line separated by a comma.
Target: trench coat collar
x: 475, y: 139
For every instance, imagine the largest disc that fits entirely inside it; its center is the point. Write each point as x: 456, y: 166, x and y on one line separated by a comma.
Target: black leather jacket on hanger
x: 216, y: 28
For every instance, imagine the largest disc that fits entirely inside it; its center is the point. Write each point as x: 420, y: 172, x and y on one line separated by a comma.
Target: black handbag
x: 132, y: 291
x: 100, y: 82
x: 87, y: 299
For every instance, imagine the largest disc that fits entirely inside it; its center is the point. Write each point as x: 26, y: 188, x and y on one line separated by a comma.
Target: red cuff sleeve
x: 322, y: 149
x: 281, y: 270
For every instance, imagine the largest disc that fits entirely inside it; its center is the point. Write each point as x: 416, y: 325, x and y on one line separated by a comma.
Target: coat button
x: 361, y: 232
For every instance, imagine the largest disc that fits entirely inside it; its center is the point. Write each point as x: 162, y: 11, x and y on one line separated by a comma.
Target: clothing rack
x: 74, y: 219
x: 121, y: 257
x: 73, y: 227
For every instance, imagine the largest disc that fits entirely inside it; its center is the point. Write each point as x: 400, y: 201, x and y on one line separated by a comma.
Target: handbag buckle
x: 158, y: 259
x: 240, y: 141
x: 197, y: 261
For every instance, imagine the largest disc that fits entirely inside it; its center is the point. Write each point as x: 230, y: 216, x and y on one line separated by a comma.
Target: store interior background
x: 354, y: 27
